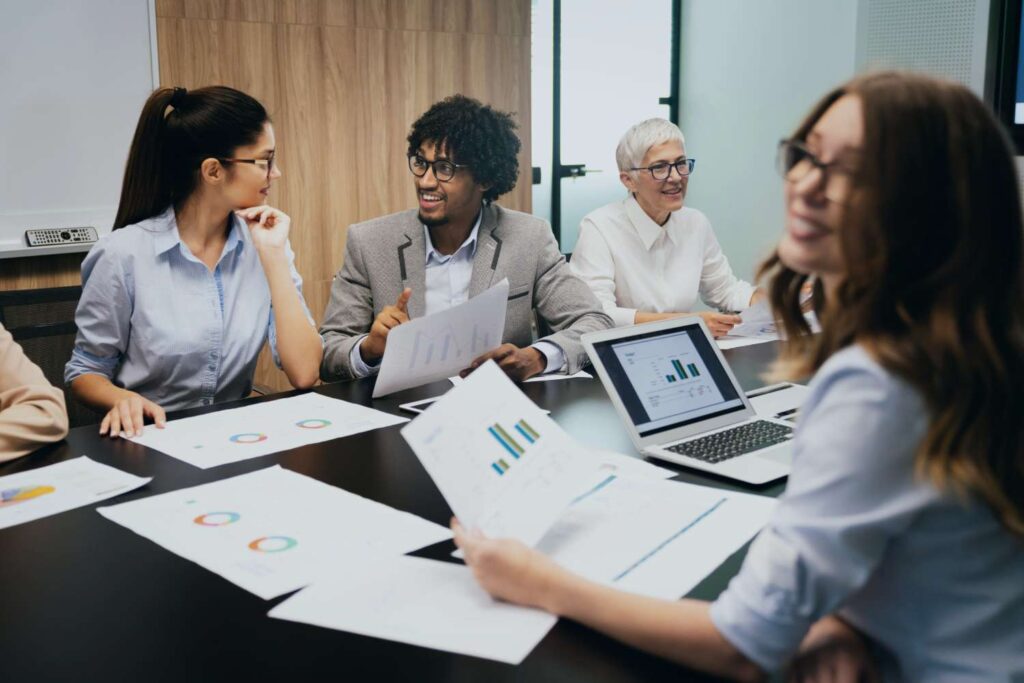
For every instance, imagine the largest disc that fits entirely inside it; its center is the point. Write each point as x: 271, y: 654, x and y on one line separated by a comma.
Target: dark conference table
x: 84, y: 599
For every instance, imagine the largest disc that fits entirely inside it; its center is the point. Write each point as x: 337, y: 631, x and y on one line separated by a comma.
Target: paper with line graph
x: 438, y: 346
x: 653, y: 537
x: 502, y: 464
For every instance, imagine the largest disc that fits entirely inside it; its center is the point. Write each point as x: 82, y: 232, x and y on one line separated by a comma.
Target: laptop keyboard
x: 730, y: 443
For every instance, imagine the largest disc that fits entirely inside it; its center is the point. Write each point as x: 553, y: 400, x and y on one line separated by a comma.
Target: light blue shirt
x: 447, y: 282
x: 937, y: 583
x: 155, y: 320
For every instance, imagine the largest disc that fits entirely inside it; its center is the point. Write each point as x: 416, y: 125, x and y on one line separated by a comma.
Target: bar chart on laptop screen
x: 668, y: 375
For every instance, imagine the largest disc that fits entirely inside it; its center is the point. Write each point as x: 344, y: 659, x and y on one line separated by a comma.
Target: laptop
x: 680, y: 401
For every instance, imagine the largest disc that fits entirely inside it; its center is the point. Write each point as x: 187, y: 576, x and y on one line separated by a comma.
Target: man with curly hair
x: 462, y: 156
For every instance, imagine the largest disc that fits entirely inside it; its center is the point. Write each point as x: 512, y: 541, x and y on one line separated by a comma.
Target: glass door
x: 611, y: 64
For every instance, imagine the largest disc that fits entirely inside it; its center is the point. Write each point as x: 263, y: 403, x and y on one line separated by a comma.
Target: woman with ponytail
x: 198, y: 272
x: 898, y: 546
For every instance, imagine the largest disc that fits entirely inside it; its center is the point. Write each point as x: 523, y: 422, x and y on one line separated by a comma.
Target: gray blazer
x: 385, y: 255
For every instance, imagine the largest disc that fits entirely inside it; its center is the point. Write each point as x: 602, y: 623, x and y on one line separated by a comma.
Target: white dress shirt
x: 931, y: 578
x: 447, y: 279
x: 633, y: 264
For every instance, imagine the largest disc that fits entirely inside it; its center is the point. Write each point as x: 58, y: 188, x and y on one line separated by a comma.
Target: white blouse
x: 632, y: 263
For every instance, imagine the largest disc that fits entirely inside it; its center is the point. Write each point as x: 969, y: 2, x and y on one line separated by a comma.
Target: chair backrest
x: 42, y: 321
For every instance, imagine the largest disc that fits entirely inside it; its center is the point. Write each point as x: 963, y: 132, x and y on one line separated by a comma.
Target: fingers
x: 157, y: 413
x: 403, y: 301
x: 497, y: 355
x: 105, y: 424
x: 125, y: 412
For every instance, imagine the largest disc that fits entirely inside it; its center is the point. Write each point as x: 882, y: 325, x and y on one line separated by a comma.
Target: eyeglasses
x: 795, y: 162
x: 444, y: 170
x: 662, y: 170
x: 268, y: 162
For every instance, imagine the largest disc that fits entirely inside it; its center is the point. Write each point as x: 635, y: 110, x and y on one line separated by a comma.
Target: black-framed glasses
x: 268, y: 162
x: 663, y: 169
x: 795, y: 162
x: 444, y: 170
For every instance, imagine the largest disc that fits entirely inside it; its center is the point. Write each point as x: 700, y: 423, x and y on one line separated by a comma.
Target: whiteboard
x: 73, y: 78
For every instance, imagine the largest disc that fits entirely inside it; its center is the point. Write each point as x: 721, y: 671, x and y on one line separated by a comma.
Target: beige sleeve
x: 32, y: 411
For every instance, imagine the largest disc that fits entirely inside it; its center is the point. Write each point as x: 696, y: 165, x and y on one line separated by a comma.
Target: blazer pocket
x: 518, y: 291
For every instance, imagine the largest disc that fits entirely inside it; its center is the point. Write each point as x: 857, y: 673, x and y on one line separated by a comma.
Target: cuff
x: 622, y: 317
x: 554, y: 354
x: 361, y: 368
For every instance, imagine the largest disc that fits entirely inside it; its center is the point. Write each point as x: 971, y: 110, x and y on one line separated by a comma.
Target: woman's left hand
x: 507, y: 569
x: 269, y: 226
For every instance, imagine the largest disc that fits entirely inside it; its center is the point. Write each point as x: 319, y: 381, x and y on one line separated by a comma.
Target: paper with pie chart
x: 273, y: 531
x: 44, y: 491
x: 260, y: 429
x: 502, y: 464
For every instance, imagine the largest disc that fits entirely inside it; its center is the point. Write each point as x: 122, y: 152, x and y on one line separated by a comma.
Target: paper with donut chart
x: 273, y: 531
x: 500, y: 462
x: 259, y: 429
x: 44, y: 491
x: 438, y: 346
x: 421, y: 602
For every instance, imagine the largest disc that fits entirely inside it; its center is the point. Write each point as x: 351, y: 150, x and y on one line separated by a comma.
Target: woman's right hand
x: 127, y: 416
x: 720, y: 323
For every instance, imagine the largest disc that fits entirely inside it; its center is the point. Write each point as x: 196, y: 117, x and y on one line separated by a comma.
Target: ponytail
x: 168, y: 147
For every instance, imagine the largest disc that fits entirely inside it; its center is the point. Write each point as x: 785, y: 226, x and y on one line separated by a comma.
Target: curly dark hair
x: 474, y: 134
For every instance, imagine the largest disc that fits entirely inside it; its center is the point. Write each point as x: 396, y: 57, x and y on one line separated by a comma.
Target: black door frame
x: 556, y: 170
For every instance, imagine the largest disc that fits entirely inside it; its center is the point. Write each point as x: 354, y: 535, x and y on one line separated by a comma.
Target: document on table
x: 420, y: 602
x: 440, y: 345
x: 503, y: 465
x: 629, y: 465
x: 758, y: 321
x: 45, y: 491
x: 553, y: 377
x: 273, y: 530
x: 781, y: 401
x: 262, y: 428
x: 653, y: 537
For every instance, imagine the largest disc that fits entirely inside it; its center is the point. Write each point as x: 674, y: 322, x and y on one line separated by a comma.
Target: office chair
x: 42, y: 321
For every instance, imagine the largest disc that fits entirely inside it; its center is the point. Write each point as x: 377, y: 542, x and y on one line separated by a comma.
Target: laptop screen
x: 668, y: 378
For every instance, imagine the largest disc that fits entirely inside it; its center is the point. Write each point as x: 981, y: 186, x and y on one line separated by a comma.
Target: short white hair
x: 641, y: 137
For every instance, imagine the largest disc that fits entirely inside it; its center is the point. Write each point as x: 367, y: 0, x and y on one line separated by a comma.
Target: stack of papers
x: 260, y: 429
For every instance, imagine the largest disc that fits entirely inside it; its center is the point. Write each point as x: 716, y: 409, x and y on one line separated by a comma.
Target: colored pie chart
x: 273, y: 544
x: 314, y: 423
x: 247, y: 437
x: 217, y: 518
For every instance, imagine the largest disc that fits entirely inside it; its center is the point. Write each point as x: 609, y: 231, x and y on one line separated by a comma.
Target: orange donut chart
x: 273, y: 544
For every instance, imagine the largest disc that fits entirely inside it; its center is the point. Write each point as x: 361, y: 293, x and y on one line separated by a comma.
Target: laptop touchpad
x: 783, y: 456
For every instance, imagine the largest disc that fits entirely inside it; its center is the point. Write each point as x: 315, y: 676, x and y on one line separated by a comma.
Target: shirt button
x: 206, y: 401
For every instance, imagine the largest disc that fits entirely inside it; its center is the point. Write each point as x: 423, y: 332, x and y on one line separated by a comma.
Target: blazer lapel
x: 488, y: 253
x: 411, y: 254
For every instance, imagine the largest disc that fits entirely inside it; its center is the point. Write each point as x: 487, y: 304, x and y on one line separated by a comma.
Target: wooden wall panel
x: 343, y: 81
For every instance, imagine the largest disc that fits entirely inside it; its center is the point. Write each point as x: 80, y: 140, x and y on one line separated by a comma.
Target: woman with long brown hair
x: 197, y: 274
x: 903, y: 519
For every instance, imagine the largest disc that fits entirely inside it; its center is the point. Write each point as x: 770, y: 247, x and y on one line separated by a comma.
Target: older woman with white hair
x: 648, y: 257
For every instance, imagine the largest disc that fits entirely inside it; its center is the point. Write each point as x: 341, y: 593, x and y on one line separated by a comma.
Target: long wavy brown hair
x: 933, y: 249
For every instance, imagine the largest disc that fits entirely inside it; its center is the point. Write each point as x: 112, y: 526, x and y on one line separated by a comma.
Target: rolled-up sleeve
x: 851, y: 491
x: 103, y: 316
x: 719, y: 287
x: 271, y: 324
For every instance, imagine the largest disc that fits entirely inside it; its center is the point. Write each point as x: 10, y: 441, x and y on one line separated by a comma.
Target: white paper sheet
x: 758, y: 321
x: 778, y: 400
x: 273, y: 530
x: 421, y: 602
x: 728, y: 342
x: 656, y: 538
x: 554, y: 377
x: 502, y: 464
x: 260, y: 429
x: 46, y: 491
x: 630, y: 465
x: 440, y: 345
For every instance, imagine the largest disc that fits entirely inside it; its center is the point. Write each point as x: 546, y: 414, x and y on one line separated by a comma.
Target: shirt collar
x: 469, y: 244
x: 648, y: 230
x: 166, y: 235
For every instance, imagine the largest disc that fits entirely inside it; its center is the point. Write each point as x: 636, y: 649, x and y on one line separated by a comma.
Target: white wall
x: 749, y: 72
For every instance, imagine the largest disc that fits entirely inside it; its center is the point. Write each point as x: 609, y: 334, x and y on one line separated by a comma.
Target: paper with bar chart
x: 262, y: 428
x: 45, y: 491
x: 421, y: 602
x: 669, y: 376
x: 654, y: 537
x: 438, y: 346
x: 503, y: 465
x: 273, y: 530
